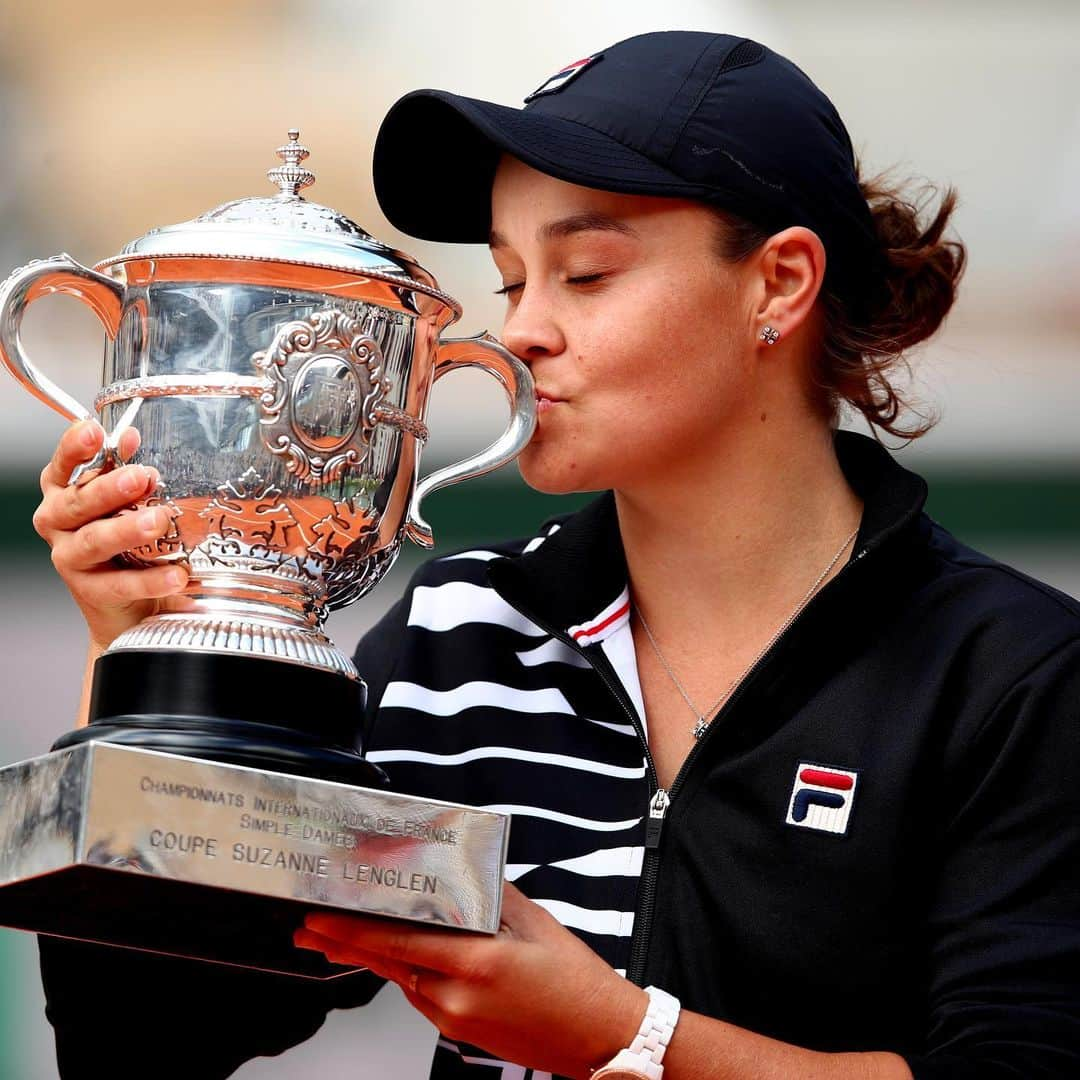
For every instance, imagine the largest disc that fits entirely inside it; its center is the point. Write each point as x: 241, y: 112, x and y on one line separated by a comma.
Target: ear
x: 791, y: 265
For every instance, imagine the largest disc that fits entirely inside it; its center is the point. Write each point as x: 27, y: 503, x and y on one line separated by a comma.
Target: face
x: 639, y: 338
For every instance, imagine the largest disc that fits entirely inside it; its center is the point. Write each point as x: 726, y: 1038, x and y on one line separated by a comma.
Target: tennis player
x: 792, y: 769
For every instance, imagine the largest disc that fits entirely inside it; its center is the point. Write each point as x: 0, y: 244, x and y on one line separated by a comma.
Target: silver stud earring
x: 769, y: 335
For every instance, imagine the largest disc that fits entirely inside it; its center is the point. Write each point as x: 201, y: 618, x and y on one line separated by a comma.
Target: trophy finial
x: 291, y: 177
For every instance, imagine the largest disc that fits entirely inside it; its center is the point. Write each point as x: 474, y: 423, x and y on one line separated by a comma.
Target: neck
x: 733, y: 538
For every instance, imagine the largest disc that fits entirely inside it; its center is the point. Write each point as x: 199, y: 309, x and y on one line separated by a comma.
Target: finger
x: 128, y: 443
x: 422, y: 1004
x: 449, y: 1003
x: 341, y: 953
x: 422, y: 987
x: 439, y: 950
x: 514, y: 903
x: 521, y: 917
x: 67, y: 508
x: 109, y: 587
x: 430, y: 991
x: 79, y: 443
x: 96, y: 543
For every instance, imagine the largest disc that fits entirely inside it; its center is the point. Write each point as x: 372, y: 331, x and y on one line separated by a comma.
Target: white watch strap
x: 645, y: 1053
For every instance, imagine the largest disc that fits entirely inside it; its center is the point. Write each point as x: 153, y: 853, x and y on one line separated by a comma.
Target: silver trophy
x: 277, y: 361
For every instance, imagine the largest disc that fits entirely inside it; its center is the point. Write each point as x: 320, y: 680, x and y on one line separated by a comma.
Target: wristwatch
x: 641, y: 1060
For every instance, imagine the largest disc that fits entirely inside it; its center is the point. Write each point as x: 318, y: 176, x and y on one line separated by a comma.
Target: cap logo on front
x: 564, y: 75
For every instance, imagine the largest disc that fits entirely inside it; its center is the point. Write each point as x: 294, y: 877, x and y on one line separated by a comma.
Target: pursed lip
x: 548, y: 396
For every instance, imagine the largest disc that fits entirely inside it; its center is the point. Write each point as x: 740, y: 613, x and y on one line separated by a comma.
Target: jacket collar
x: 575, y: 582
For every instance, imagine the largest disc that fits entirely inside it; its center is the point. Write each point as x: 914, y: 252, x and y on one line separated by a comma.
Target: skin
x: 653, y: 382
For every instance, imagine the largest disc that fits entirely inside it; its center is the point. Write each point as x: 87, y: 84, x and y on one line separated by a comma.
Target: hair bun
x: 922, y: 273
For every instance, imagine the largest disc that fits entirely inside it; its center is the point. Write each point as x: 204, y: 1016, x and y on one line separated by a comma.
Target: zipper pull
x: 658, y: 805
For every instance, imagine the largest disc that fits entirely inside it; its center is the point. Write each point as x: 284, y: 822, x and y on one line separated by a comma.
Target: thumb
x: 521, y: 916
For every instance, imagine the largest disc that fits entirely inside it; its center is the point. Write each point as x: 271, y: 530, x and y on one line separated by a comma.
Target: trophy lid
x: 284, y: 227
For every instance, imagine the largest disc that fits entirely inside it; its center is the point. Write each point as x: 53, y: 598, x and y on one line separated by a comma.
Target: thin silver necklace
x: 705, y: 718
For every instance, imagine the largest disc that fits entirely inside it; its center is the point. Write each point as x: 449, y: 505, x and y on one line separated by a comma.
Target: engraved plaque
x: 221, y: 862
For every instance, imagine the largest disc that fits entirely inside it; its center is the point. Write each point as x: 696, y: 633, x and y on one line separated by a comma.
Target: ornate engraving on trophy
x: 326, y: 379
x: 277, y: 361
x: 247, y: 520
x: 357, y: 571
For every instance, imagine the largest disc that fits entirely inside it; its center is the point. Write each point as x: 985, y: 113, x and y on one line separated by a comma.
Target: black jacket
x: 932, y: 692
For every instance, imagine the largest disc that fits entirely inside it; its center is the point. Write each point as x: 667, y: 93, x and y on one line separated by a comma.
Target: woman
x: 851, y: 847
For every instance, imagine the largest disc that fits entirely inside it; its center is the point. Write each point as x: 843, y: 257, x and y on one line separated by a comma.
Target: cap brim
x: 436, y: 154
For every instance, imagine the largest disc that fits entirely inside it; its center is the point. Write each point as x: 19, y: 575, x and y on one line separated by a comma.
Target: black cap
x: 712, y: 117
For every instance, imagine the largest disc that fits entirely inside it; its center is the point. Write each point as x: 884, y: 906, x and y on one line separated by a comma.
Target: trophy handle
x: 482, y: 351
x: 44, y: 277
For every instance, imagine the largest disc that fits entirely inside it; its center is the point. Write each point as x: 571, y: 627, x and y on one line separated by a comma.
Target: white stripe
x: 622, y: 729
x: 457, y: 603
x: 552, y: 652
x: 520, y: 869
x: 536, y: 541
x: 608, y: 862
x: 511, y: 753
x: 507, y: 1070
x: 579, y: 918
x: 563, y: 819
x: 619, y: 649
x: 583, y: 632
x: 483, y: 556
x: 471, y: 695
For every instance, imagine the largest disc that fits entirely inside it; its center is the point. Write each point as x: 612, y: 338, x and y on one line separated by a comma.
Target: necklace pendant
x: 701, y: 727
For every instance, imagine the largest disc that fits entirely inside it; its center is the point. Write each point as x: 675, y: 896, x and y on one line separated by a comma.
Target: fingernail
x: 148, y: 521
x: 87, y: 435
x: 129, y: 482
x: 175, y: 578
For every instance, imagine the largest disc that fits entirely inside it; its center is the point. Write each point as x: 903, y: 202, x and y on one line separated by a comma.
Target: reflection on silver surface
x: 277, y: 361
x: 264, y: 845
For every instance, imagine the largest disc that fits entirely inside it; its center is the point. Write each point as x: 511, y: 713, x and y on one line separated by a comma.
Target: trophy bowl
x: 277, y: 361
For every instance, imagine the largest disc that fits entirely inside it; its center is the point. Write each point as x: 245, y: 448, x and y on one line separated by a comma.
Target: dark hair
x: 859, y: 353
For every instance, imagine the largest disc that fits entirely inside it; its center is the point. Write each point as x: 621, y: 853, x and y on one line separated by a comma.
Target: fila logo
x: 822, y: 797
x: 563, y: 76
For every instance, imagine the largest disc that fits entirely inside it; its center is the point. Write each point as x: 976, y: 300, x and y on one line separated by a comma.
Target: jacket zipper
x: 660, y: 798
x: 661, y: 801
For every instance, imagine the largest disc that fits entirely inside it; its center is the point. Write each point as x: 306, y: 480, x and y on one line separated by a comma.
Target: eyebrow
x: 587, y: 221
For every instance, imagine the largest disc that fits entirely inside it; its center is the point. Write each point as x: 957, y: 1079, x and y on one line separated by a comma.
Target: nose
x: 530, y: 329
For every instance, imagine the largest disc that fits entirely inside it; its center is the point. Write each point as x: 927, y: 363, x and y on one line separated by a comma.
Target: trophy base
x: 88, y: 903
x: 135, y: 848
x: 241, y: 710
x: 232, y: 632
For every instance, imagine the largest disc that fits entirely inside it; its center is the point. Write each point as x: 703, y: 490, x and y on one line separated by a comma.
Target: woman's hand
x: 533, y: 994
x: 75, y: 522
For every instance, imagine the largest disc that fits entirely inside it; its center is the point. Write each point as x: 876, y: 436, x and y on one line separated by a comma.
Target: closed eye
x: 514, y: 287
